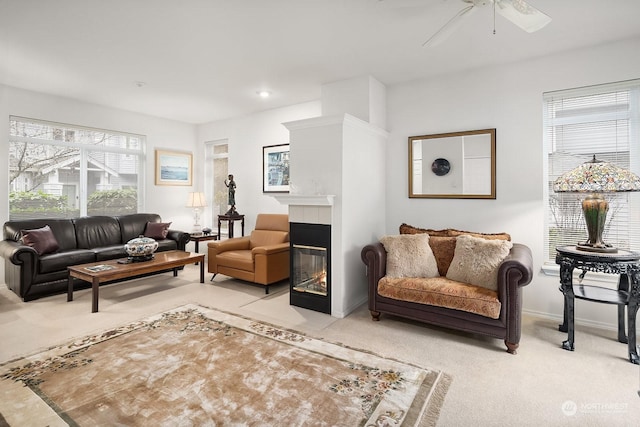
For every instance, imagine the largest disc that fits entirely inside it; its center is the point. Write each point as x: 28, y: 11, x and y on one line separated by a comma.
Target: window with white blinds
x: 601, y: 121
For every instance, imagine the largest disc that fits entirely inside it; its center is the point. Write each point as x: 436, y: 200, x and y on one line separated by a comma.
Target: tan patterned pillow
x: 409, y: 255
x: 476, y: 261
x: 410, y: 229
x: 451, y: 232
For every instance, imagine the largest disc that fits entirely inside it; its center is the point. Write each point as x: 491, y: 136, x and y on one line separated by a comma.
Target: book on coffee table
x: 100, y: 267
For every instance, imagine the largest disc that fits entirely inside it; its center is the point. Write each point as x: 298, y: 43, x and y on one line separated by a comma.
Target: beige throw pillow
x: 476, y: 261
x: 409, y: 255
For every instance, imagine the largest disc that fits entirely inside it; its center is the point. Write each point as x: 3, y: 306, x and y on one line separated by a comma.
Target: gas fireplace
x: 310, y: 266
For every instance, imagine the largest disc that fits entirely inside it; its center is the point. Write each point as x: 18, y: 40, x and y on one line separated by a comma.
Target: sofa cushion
x: 443, y: 249
x: 409, y: 255
x: 443, y: 242
x: 442, y: 292
x: 133, y: 225
x: 110, y: 252
x: 97, y: 231
x: 476, y: 261
x: 40, y: 239
x: 51, y: 263
x: 157, y: 230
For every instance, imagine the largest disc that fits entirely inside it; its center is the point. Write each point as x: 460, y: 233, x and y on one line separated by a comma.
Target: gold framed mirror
x: 456, y: 165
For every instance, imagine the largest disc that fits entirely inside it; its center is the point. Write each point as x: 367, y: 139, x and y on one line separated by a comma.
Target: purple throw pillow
x: 40, y: 239
x: 157, y: 230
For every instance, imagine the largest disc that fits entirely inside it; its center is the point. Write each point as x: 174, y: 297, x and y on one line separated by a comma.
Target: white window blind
x: 600, y: 120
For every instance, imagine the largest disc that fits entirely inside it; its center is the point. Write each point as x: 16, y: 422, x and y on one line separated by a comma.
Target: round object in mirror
x: 440, y: 166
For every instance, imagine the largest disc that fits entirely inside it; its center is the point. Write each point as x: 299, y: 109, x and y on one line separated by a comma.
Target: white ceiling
x: 204, y: 60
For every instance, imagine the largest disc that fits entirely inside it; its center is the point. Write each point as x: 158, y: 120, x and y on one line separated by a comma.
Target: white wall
x: 508, y: 98
x: 246, y: 136
x: 160, y: 133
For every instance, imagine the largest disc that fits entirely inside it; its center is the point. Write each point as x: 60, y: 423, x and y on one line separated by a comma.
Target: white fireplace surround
x: 309, y: 209
x: 305, y: 200
x: 335, y: 163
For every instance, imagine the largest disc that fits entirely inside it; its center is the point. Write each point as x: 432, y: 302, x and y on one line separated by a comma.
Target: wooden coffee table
x: 106, y: 271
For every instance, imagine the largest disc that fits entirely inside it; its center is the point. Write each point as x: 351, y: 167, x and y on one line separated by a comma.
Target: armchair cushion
x: 409, y: 255
x: 267, y: 238
x: 476, y: 261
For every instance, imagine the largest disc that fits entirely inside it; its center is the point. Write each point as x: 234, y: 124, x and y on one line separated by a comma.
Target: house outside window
x: 64, y: 171
x: 579, y: 123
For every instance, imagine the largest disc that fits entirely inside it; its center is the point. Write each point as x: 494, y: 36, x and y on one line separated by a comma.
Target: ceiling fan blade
x: 448, y: 28
x: 522, y: 14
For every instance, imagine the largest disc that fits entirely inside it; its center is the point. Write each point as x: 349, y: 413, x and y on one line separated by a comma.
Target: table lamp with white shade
x: 196, y: 201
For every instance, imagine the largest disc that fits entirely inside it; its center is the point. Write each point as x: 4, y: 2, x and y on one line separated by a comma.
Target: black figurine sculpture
x: 231, y: 185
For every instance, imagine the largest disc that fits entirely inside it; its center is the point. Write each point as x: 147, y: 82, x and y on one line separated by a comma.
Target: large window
x: 579, y: 123
x: 63, y: 171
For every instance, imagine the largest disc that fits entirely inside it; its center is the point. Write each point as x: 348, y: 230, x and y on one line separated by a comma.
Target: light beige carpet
x: 198, y: 366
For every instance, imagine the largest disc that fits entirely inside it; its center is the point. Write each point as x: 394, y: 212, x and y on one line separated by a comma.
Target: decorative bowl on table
x: 141, y: 248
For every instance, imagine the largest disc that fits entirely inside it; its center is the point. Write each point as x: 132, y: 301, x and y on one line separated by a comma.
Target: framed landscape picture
x: 275, y: 168
x: 173, y: 168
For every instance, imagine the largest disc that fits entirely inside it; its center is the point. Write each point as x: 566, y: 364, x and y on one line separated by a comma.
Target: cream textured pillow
x: 409, y: 255
x: 476, y: 261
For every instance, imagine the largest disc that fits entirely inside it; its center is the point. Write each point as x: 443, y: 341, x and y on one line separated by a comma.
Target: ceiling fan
x: 519, y: 12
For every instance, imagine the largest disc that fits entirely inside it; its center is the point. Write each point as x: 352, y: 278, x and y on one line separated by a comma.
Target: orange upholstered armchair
x: 262, y: 257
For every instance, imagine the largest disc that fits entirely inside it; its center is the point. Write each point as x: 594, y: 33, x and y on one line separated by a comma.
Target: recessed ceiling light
x: 264, y: 93
x: 139, y: 83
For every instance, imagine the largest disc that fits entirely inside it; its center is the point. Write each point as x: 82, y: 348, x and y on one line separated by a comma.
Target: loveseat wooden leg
x: 375, y: 315
x: 214, y: 275
x: 511, y: 346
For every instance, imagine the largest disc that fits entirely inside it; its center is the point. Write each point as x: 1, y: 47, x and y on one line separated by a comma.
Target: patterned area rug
x: 198, y: 366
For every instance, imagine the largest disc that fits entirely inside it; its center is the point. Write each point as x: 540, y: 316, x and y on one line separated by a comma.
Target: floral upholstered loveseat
x: 457, y: 279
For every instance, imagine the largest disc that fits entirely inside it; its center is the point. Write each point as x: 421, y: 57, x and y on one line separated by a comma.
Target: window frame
x: 84, y: 148
x: 630, y: 143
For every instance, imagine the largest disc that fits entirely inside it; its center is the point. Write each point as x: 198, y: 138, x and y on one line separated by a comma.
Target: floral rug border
x: 394, y: 407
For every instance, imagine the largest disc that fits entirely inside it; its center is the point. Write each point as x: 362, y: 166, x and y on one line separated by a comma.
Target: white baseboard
x: 578, y: 321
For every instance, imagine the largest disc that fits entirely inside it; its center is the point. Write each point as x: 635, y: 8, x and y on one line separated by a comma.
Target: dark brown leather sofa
x: 80, y: 240
x: 515, y: 272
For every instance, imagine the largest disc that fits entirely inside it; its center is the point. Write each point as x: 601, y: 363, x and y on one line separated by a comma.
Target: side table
x: 230, y: 219
x: 626, y: 264
x: 200, y: 237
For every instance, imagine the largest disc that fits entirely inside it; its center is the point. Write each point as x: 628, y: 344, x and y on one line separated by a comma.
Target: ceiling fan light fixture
x: 519, y: 12
x: 522, y: 14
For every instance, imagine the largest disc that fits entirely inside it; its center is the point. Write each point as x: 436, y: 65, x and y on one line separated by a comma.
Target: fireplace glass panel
x: 309, y: 269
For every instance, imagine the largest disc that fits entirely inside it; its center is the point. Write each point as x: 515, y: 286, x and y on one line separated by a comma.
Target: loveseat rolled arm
x: 517, y: 267
x: 515, y: 271
x: 374, y: 257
